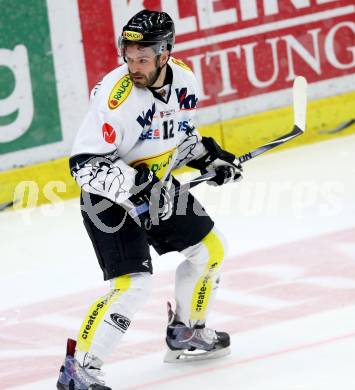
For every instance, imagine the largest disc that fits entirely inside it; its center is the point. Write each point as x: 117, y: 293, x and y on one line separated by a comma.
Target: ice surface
x: 287, y: 294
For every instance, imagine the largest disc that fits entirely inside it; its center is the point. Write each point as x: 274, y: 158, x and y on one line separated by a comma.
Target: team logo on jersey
x: 186, y: 102
x: 146, y: 119
x: 120, y: 91
x: 132, y: 35
x: 108, y: 133
x: 180, y: 63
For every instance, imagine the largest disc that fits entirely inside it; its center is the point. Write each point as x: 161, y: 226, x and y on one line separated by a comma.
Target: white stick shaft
x: 300, y: 102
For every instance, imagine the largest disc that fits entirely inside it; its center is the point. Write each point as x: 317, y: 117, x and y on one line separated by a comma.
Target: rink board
x: 43, y: 98
x: 51, y: 181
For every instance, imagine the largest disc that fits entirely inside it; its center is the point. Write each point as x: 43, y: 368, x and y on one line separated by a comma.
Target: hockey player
x: 139, y: 128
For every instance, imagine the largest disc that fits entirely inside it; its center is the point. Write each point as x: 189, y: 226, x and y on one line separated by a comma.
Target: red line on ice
x: 241, y: 361
x: 23, y: 331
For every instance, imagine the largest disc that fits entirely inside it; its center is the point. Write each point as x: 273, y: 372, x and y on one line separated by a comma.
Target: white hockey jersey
x: 127, y: 126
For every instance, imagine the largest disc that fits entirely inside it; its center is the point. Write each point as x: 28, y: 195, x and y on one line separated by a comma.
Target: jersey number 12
x: 168, y: 127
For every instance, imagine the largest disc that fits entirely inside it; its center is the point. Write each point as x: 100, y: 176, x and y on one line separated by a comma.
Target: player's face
x: 142, y: 65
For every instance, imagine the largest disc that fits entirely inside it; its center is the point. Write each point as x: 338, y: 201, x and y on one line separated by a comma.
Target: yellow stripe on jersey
x: 204, y: 285
x: 181, y: 63
x: 98, y: 310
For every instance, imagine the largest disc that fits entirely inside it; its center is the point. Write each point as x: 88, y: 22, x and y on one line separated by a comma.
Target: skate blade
x: 60, y: 386
x: 184, y: 356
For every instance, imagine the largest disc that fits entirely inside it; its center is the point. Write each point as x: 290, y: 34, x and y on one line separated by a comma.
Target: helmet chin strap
x: 160, y: 68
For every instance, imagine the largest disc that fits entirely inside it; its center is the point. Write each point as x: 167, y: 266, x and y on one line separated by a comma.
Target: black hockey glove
x: 149, y: 189
x: 223, y: 164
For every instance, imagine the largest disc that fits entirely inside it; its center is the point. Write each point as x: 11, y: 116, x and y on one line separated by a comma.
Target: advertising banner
x: 244, y: 53
x: 237, y: 49
x: 29, y: 111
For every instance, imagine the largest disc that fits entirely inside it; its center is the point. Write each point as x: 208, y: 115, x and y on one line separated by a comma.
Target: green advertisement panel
x: 29, y: 113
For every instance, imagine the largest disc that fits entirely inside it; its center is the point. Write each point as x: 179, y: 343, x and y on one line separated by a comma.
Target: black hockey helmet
x: 149, y: 28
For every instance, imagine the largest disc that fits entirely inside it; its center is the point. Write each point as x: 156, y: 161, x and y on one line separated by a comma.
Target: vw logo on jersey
x: 146, y: 121
x: 147, y: 117
x: 186, y: 102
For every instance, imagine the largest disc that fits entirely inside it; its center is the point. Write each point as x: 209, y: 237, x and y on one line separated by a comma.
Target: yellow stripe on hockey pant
x: 204, y: 285
x: 98, y: 310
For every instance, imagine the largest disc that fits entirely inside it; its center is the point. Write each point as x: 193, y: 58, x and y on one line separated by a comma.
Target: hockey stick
x: 299, y: 91
x: 6, y: 205
x: 339, y: 128
x: 299, y: 114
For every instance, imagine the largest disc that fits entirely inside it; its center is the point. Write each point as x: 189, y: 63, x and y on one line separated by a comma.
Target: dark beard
x: 147, y: 81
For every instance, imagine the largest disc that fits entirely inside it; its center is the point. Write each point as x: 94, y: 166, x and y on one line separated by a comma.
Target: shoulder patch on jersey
x: 180, y: 63
x: 108, y: 133
x: 120, y: 91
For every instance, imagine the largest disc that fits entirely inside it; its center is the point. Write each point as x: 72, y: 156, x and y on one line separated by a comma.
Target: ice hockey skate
x: 74, y: 376
x: 193, y: 344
